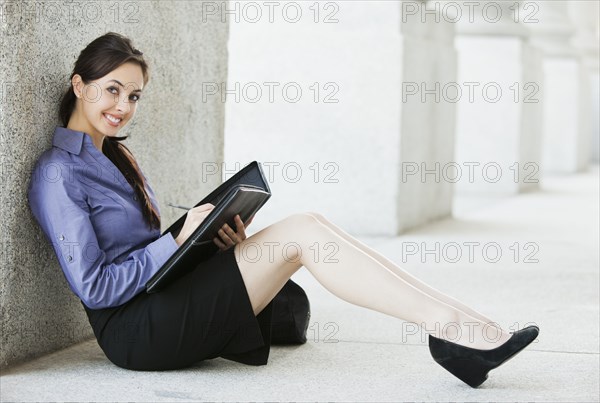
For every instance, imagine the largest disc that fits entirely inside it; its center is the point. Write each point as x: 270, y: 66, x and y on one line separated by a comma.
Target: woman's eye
x: 134, y: 97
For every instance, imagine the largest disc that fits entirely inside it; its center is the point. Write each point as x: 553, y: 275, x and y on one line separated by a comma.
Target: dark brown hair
x: 100, y: 57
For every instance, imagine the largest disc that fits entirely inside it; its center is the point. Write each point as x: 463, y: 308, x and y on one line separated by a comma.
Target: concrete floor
x: 355, y: 354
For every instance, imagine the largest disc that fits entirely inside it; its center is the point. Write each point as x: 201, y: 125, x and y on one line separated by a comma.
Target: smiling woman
x: 96, y: 214
x: 101, y: 216
x: 106, y: 84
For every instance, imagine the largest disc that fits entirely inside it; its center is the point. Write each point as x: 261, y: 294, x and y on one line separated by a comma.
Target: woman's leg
x: 268, y: 258
x: 402, y: 273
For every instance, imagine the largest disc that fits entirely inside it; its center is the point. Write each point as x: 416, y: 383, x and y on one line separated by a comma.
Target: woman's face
x: 104, y: 106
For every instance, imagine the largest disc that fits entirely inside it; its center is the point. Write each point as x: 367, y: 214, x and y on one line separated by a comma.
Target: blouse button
x: 69, y: 258
x: 61, y: 237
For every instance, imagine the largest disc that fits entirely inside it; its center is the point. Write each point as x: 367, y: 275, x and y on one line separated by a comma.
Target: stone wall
x: 172, y: 133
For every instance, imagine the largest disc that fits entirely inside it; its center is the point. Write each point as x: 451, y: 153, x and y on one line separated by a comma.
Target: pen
x: 181, y: 207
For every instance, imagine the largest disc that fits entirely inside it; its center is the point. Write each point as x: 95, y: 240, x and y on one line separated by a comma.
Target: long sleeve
x: 62, y: 212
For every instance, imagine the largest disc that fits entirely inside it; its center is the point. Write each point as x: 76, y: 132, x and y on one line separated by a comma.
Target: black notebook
x: 244, y: 194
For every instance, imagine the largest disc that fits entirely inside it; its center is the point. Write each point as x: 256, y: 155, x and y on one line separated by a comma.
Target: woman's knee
x: 309, y: 217
x: 318, y: 216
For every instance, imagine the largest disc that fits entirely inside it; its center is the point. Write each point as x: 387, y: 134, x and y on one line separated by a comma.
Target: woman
x: 98, y: 210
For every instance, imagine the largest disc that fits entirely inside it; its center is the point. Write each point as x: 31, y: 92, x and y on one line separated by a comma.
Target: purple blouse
x: 91, y: 216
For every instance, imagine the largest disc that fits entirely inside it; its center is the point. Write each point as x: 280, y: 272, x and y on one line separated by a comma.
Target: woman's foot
x: 468, y: 331
x: 472, y: 365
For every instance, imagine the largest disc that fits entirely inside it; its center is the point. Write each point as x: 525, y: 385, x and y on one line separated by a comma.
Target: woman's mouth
x: 112, y: 120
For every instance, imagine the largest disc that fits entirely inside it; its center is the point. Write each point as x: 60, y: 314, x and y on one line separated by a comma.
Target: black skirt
x: 202, y: 315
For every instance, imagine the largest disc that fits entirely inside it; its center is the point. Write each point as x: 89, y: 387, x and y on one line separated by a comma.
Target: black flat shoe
x: 471, y: 365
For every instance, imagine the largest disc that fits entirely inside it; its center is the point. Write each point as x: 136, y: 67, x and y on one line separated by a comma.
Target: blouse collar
x: 70, y: 140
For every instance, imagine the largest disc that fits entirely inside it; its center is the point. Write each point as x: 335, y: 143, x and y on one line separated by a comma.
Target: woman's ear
x: 77, y: 84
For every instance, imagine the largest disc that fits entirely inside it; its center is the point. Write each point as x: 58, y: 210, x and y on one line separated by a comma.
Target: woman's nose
x: 124, y: 104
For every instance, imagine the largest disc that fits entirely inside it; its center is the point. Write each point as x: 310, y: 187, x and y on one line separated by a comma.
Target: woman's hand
x: 194, y: 218
x: 230, y: 237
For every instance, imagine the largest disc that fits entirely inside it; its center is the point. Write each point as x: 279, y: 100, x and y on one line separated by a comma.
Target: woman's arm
x: 61, y: 209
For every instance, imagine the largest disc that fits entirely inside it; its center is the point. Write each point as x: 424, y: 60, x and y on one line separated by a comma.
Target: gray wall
x: 172, y: 133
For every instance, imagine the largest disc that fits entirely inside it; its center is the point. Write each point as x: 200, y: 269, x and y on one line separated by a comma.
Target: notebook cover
x: 244, y: 193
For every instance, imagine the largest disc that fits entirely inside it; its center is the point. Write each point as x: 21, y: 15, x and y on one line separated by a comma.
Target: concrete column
x: 499, y: 114
x: 427, y: 132
x: 173, y: 132
x: 565, y: 99
x: 328, y: 134
x: 586, y: 40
